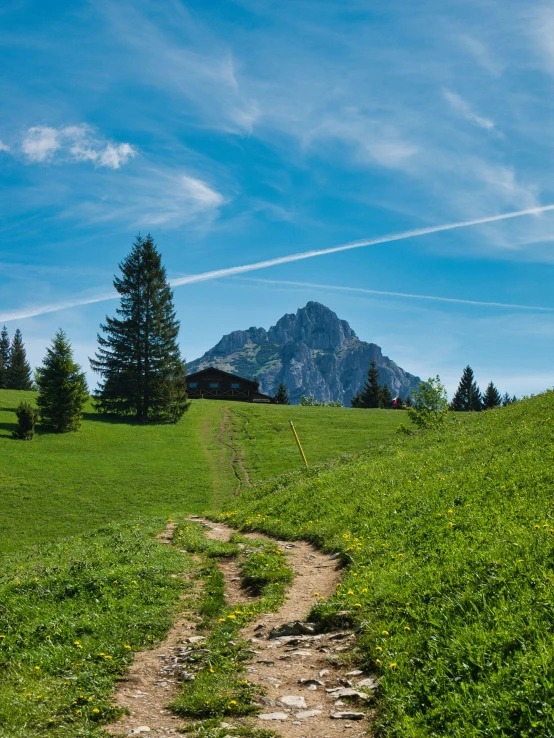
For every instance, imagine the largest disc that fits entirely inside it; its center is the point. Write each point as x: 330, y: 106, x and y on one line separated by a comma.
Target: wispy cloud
x: 244, y: 268
x: 155, y: 196
x: 407, y: 295
x: 43, y: 144
x: 463, y: 108
x: 3, y: 146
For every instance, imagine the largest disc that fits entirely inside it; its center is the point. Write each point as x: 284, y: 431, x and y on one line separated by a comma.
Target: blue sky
x: 247, y: 131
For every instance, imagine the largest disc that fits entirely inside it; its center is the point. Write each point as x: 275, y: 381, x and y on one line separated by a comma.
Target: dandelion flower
x: 385, y: 632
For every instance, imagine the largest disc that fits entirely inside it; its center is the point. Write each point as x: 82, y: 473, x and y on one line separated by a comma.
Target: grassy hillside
x: 449, y: 539
x: 59, y: 485
x: 263, y: 434
x: 72, y: 615
x: 62, y: 484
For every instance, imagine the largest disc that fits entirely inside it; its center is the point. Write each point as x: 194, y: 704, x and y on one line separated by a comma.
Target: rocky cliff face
x: 312, y: 353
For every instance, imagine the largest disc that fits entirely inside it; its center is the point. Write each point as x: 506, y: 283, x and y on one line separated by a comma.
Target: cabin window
x: 192, y: 385
x: 214, y: 385
x: 235, y: 385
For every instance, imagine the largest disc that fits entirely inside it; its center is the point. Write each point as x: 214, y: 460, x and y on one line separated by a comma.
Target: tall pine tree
x: 138, y: 358
x: 282, y: 396
x: 467, y: 397
x: 18, y: 375
x: 370, y: 395
x: 4, y: 357
x: 491, y: 398
x: 62, y: 387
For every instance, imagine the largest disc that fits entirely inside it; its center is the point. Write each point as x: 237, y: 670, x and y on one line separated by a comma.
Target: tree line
x: 467, y: 398
x: 142, y: 373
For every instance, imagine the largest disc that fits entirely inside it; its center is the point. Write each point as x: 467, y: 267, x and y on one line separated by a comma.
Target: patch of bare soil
x: 307, y: 694
x: 154, y: 678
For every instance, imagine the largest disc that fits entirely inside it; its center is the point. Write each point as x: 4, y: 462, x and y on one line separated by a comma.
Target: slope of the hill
x: 60, y: 485
x: 69, y: 483
x: 450, y: 541
x: 312, y: 352
x: 262, y: 436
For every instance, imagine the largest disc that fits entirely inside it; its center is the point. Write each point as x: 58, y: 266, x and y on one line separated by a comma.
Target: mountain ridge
x: 312, y: 352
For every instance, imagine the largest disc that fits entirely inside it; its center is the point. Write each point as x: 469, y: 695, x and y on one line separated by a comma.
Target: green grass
x: 449, y: 537
x: 71, y: 616
x: 264, y: 435
x: 65, y: 484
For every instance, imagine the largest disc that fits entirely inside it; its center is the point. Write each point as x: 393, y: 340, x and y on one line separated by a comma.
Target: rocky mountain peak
x: 315, y: 325
x: 311, y: 351
x: 237, y: 340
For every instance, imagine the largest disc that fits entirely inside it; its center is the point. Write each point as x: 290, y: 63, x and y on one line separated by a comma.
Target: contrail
x: 401, y: 294
x: 241, y: 269
x: 354, y: 245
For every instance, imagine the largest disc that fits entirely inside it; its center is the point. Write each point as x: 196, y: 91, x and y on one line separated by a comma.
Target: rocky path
x: 307, y: 693
x: 154, y: 678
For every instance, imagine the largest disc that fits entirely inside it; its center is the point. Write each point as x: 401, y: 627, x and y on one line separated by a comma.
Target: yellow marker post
x: 295, y: 434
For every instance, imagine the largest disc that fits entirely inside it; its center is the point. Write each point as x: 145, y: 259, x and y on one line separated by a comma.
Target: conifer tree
x: 370, y: 395
x: 491, y: 398
x: 62, y: 387
x: 282, y: 396
x: 26, y: 419
x: 4, y: 357
x: 138, y: 357
x: 408, y: 402
x: 467, y: 397
x: 356, y: 401
x: 386, y: 397
x: 506, y: 400
x: 399, y: 403
x: 18, y: 375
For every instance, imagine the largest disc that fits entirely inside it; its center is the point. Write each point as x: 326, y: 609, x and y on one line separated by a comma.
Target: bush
x: 26, y: 420
x: 430, y: 404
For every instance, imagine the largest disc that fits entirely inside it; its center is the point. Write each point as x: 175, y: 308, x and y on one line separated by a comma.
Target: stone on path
x: 292, y: 700
x: 139, y: 730
x: 307, y: 714
x: 347, y: 716
x: 369, y: 683
x: 273, y: 716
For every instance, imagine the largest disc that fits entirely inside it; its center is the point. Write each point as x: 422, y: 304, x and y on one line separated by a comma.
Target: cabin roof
x: 212, y: 369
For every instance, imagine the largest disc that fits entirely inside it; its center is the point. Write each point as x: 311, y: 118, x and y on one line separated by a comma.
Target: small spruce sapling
x: 26, y: 420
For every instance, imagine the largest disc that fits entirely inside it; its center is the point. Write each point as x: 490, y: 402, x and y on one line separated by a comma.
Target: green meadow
x: 447, y: 538
x: 65, y: 484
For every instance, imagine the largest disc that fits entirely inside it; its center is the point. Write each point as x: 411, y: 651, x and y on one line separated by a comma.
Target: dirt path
x: 225, y: 438
x: 154, y: 678
x: 297, y: 671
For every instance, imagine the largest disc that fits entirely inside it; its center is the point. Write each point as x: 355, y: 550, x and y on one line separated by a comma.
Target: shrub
x: 26, y: 420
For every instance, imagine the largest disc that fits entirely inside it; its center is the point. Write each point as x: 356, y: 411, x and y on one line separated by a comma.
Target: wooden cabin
x: 216, y: 384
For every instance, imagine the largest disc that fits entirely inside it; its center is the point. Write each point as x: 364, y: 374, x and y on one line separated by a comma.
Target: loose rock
x: 273, y: 716
x: 292, y: 700
x: 347, y: 716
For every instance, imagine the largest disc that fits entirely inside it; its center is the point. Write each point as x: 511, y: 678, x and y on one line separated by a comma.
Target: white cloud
x: 40, y: 143
x: 156, y: 196
x: 463, y: 108
x: 114, y: 155
x: 199, y: 192
x: 3, y: 146
x: 74, y: 144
